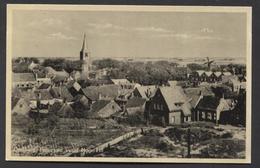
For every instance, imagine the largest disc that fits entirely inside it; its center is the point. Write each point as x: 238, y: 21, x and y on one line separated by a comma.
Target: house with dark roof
x: 103, y: 109
x: 80, y: 105
x: 169, y: 106
x: 49, y: 71
x: 196, y: 94
x: 44, y: 96
x: 66, y: 111
x: 61, y: 93
x: 45, y: 86
x: 211, y: 108
x: 135, y: 105
x: 23, y: 80
x: 199, y: 76
x: 105, y: 92
x: 74, y: 88
x: 123, y: 83
x: 20, y: 106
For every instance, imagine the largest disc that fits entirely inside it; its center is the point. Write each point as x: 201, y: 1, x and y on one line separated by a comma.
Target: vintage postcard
x: 103, y: 83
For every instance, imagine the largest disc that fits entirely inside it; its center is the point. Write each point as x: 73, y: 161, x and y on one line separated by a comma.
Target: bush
x: 223, y: 149
x: 164, y: 146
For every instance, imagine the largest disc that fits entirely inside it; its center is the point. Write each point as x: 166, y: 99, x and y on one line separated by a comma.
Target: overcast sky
x: 129, y: 34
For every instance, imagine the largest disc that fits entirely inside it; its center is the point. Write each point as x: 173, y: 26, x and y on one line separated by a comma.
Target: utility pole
x: 188, y: 143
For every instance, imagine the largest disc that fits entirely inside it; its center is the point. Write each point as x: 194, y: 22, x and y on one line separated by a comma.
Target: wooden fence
x: 102, y: 147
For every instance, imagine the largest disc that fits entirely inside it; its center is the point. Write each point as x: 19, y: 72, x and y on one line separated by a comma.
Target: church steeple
x: 84, y: 43
x: 83, y: 52
x: 84, y: 57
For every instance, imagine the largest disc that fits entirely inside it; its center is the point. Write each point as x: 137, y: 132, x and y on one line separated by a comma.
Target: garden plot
x: 70, y: 136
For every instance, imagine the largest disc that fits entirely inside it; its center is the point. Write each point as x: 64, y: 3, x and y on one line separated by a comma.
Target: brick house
x: 169, y: 106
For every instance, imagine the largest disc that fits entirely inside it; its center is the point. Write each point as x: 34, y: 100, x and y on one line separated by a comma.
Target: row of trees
x: 158, y: 72
x: 60, y: 63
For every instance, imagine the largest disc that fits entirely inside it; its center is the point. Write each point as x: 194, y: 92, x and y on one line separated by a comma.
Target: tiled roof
x: 82, y: 99
x: 93, y: 92
x: 55, y: 107
x: 74, y: 84
x: 98, y: 105
x: 186, y: 109
x: 14, y: 101
x: 209, y: 103
x: 218, y: 74
x: 23, y: 77
x: 66, y: 111
x: 208, y: 73
x: 50, y: 70
x: 173, y: 95
x: 227, y: 78
x: 200, y: 72
x: 44, y: 86
x: 146, y: 91
x: 135, y: 102
x: 28, y: 95
x: 61, y: 92
x: 45, y: 95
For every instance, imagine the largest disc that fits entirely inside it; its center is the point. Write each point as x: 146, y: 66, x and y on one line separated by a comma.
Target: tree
x: 57, y: 64
x: 106, y: 63
x: 195, y: 67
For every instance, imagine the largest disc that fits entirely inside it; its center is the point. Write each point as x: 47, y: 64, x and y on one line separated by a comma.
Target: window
x: 161, y: 107
x: 154, y: 106
x: 158, y: 106
x: 209, y: 116
x: 21, y: 105
x: 173, y: 119
x: 187, y: 118
x: 214, y: 116
x: 203, y: 115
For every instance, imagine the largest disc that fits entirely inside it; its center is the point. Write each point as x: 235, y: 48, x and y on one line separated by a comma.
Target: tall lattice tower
x: 85, y: 58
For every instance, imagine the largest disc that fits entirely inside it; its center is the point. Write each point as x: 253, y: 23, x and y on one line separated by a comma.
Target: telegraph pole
x: 188, y: 143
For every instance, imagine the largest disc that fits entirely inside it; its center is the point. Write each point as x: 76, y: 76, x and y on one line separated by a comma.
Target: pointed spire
x: 84, y: 42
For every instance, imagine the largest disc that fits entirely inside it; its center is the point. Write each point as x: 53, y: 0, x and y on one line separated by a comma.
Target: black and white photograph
x: 125, y: 83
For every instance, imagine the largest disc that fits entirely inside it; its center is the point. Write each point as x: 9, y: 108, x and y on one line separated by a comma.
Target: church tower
x: 85, y: 58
